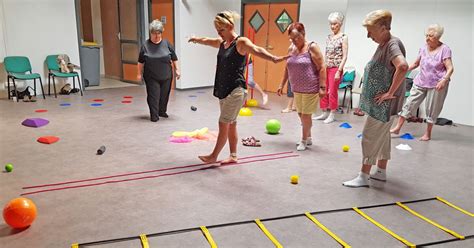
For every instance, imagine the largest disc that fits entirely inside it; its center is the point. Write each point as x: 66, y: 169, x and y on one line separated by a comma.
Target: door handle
x: 269, y: 47
x: 118, y: 35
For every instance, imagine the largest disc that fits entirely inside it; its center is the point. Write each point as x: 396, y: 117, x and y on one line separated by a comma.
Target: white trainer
x: 323, y: 116
x: 309, y: 142
x: 330, y: 118
x: 379, y: 175
x: 362, y: 180
x: 301, y: 146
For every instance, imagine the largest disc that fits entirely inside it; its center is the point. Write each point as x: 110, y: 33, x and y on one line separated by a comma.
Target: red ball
x: 19, y: 212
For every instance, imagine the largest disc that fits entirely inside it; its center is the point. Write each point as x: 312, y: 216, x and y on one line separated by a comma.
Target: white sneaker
x: 379, y: 175
x: 301, y: 146
x: 362, y: 180
x: 330, y: 119
x: 323, y: 116
x: 309, y: 142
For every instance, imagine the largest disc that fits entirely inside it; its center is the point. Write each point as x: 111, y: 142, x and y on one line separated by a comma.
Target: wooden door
x: 110, y: 41
x: 163, y: 10
x: 129, y: 38
x: 259, y: 14
x: 281, y: 15
x: 269, y: 20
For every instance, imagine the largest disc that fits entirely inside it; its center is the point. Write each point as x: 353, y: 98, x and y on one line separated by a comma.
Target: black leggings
x: 158, y: 92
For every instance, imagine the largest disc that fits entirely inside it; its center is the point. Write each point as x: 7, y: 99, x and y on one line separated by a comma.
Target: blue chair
x: 17, y: 68
x: 346, y: 84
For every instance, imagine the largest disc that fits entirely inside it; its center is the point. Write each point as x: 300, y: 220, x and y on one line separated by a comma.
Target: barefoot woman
x: 229, y: 84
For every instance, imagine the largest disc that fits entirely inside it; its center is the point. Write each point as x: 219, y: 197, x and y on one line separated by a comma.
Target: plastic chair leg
x: 14, y: 88
x: 42, y: 90
x: 80, y: 84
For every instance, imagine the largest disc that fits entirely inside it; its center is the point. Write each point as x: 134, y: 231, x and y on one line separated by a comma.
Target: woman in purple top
x: 431, y: 83
x: 306, y: 72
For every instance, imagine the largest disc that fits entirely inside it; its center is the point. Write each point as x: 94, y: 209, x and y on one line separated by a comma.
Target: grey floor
x: 442, y: 167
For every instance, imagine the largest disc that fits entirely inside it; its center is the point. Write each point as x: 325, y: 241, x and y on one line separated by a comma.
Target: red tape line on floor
x: 156, y: 176
x: 144, y: 172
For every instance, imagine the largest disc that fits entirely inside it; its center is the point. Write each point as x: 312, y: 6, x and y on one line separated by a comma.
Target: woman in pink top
x: 431, y: 84
x: 306, y: 71
x: 336, y: 56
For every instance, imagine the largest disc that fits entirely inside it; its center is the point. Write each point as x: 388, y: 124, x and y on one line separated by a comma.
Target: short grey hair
x: 336, y: 17
x: 438, y: 29
x: 156, y: 26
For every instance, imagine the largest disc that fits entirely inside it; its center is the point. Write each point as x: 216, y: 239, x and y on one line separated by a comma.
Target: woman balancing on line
x: 229, y: 84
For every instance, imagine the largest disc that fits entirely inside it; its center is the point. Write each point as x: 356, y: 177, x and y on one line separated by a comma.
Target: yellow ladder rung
x: 208, y: 236
x: 269, y: 235
x: 454, y: 206
x: 320, y: 225
x: 144, y: 241
x: 406, y: 242
x: 455, y: 234
x: 75, y: 245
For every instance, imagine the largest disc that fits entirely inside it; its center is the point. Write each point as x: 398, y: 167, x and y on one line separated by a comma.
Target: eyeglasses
x: 225, y: 17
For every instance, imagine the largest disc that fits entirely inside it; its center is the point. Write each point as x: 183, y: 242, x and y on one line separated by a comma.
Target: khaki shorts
x: 376, y: 140
x: 230, y: 106
x: 306, y: 103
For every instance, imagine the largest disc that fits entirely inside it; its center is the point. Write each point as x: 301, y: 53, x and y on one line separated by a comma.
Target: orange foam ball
x: 19, y: 212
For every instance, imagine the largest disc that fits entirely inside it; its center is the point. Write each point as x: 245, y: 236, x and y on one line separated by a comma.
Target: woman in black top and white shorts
x: 229, y: 84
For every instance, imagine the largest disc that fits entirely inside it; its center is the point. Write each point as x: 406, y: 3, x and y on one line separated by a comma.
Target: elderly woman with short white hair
x: 156, y: 61
x: 382, y: 96
x: 431, y: 84
x: 335, y: 57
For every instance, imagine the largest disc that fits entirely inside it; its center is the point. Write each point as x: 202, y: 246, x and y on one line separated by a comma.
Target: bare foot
x: 265, y: 99
x: 425, y: 138
x: 230, y: 160
x: 209, y: 159
x: 287, y: 110
x: 395, y: 130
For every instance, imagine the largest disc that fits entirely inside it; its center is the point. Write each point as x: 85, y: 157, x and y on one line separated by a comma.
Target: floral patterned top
x: 334, y: 51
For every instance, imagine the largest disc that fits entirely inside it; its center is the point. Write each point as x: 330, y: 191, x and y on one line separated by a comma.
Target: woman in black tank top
x: 229, y: 84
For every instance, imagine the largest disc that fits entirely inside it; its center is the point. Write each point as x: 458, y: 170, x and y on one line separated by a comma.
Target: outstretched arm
x: 245, y: 46
x: 213, y: 42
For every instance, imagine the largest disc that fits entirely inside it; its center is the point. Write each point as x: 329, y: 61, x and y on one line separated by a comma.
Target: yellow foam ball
x: 252, y: 103
x: 294, y: 179
x: 345, y: 148
x: 245, y: 112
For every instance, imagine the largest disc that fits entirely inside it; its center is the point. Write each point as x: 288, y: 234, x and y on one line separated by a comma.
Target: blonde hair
x: 378, y: 17
x: 438, y: 29
x: 336, y: 17
x: 226, y: 17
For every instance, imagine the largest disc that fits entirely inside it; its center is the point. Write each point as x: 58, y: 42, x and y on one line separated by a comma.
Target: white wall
x: 410, y: 18
x: 314, y: 15
x: 2, y: 33
x: 37, y: 28
x: 198, y: 63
